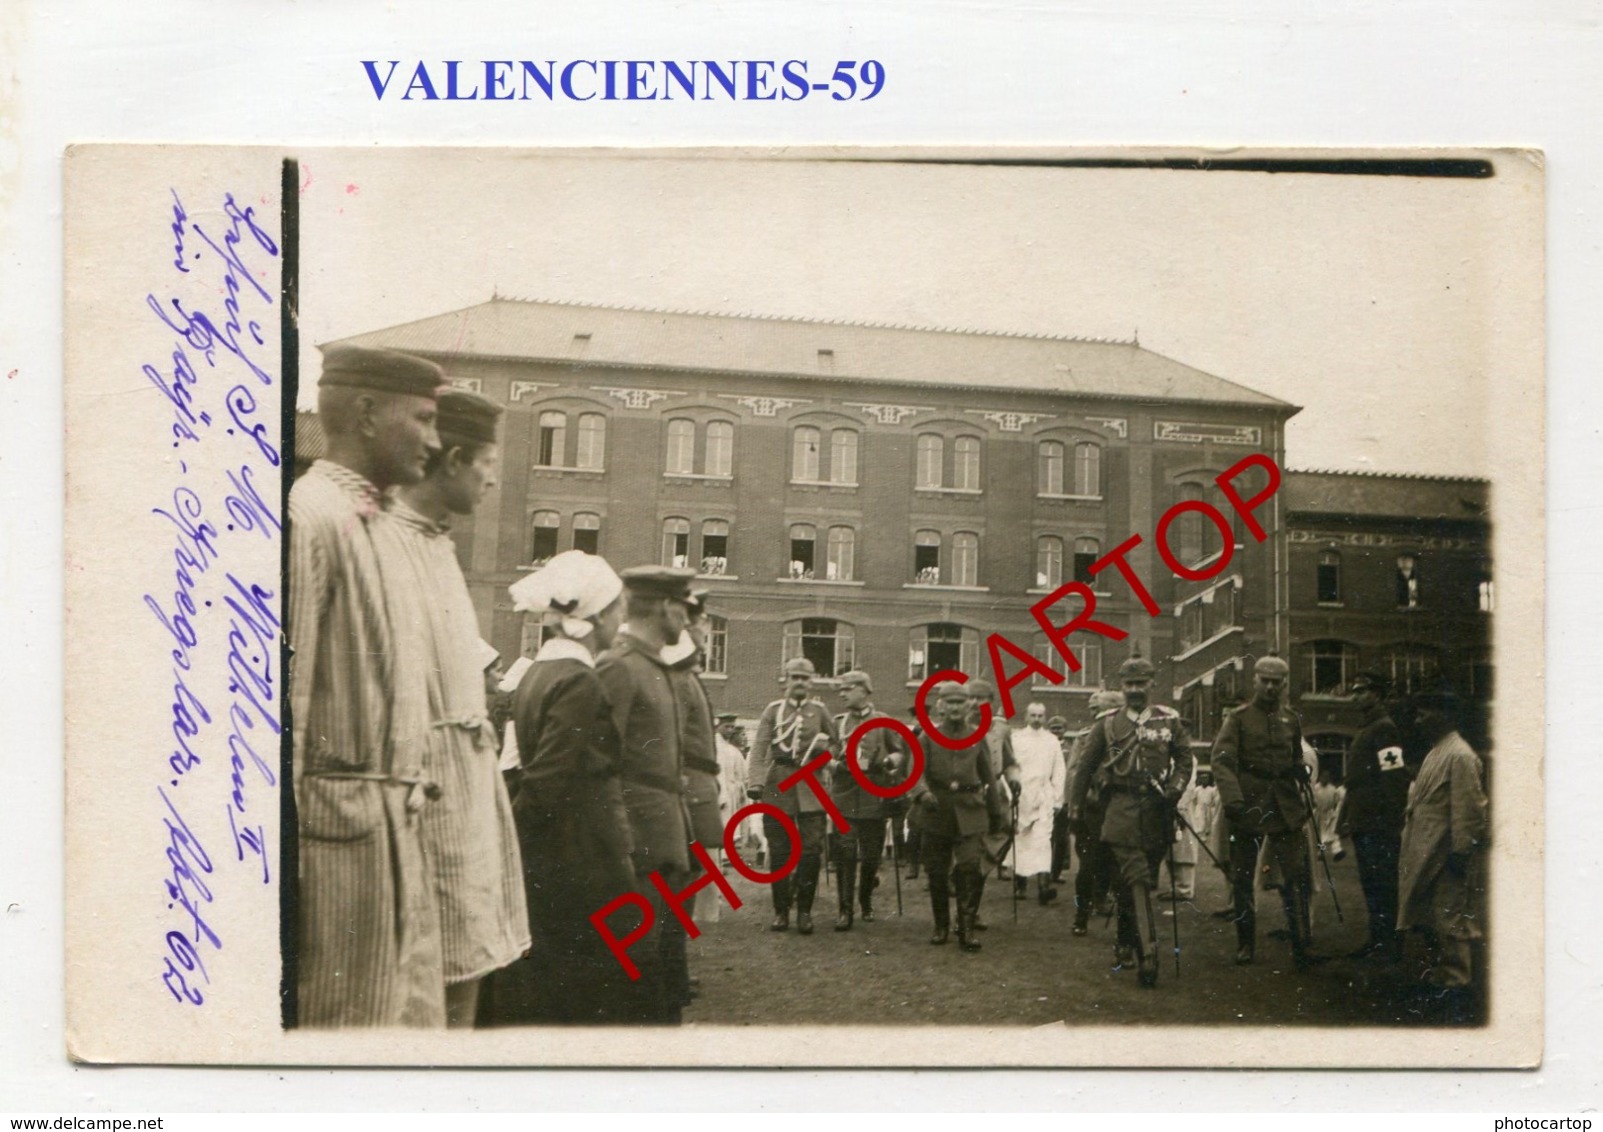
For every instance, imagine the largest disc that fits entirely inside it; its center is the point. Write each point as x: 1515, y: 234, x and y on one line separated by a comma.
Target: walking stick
x: 1174, y: 901
x: 1015, y: 809
x: 896, y: 864
x: 1319, y: 841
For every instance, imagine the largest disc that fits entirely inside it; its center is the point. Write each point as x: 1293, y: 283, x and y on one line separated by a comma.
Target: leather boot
x: 966, y: 902
x: 1246, y: 938
x: 867, y: 882
x: 845, y: 875
x: 1146, y: 937
x: 941, y: 909
x: 780, y: 891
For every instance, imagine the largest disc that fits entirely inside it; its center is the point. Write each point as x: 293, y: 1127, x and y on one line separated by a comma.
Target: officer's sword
x: 1319, y: 841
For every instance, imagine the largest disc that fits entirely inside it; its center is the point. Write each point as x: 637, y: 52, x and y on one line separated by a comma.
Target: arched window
x: 675, y: 542
x: 681, y: 447
x: 720, y: 448
x: 1048, y: 562
x: 1412, y: 668
x: 1407, y: 582
x: 843, y: 456
x: 592, y: 454
x: 1188, y: 527
x: 550, y: 444
x: 1331, y: 665
x: 831, y: 645
x: 1087, y: 469
x: 966, y: 463
x: 927, y: 558
x: 1329, y: 578
x: 931, y: 648
x: 1049, y: 468
x: 803, y: 550
x: 1086, y: 552
x: 587, y: 532
x: 716, y: 660
x: 804, y: 455
x: 965, y: 559
x: 930, y: 452
x: 546, y: 524
x: 715, y: 546
x: 842, y: 554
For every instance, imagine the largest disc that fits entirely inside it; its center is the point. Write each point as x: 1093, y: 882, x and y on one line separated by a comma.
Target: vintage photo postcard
x: 806, y: 608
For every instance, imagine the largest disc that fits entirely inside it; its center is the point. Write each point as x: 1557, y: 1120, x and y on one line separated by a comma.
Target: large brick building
x: 1392, y: 573
x: 868, y: 496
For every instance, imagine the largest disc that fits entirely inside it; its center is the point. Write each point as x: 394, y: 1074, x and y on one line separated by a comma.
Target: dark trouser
x: 912, y: 850
x: 1377, y: 854
x: 940, y: 855
x: 1137, y: 873
x: 856, y: 856
x: 802, y: 885
x: 1060, y: 841
x: 1092, y: 879
x: 1289, y: 851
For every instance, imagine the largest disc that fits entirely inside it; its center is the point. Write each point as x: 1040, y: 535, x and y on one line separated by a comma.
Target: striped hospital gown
x: 468, y: 834
x: 368, y: 935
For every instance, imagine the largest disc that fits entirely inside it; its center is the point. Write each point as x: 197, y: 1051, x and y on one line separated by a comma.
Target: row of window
x: 1329, y: 666
x: 1328, y: 583
x: 816, y: 458
x: 829, y: 554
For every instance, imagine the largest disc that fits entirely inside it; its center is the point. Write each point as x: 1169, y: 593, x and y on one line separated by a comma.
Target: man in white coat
x: 1441, y: 886
x: 1036, y: 777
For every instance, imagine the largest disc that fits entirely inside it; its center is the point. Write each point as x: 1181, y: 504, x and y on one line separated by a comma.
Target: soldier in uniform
x: 1141, y: 759
x: 954, y: 804
x: 1377, y: 781
x: 641, y: 688
x: 791, y: 733
x: 1060, y: 816
x: 1093, y: 877
x: 880, y: 756
x: 1262, y: 778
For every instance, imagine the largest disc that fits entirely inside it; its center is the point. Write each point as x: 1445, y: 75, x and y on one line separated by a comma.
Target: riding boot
x: 1246, y: 935
x: 1296, y: 902
x: 1146, y: 934
x: 806, y: 890
x: 1126, y: 935
x: 845, y: 878
x: 867, y: 882
x: 940, y: 908
x: 966, y: 903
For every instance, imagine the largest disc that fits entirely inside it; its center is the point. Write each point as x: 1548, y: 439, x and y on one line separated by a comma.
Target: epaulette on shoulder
x: 1164, y: 711
x: 1106, y: 713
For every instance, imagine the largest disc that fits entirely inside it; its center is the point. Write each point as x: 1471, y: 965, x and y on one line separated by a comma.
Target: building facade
x: 870, y: 497
x: 1392, y: 573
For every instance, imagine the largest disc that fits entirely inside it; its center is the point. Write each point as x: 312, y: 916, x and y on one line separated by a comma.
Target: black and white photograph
x: 1056, y: 593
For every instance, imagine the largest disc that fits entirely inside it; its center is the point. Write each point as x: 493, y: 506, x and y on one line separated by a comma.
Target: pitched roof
x: 1386, y: 494
x: 805, y: 348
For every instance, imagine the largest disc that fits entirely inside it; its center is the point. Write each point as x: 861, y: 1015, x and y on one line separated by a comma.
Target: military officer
x: 1262, y: 779
x: 954, y: 804
x: 792, y: 732
x: 1092, y: 878
x: 642, y: 689
x: 1141, y: 760
x: 881, y: 757
x: 1377, y: 781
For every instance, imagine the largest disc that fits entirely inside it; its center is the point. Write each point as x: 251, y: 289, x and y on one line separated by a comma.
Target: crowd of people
x: 451, y: 862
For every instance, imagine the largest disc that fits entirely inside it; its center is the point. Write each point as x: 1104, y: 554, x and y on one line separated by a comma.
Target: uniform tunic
x: 875, y: 752
x: 1447, y: 813
x: 1257, y: 762
x: 468, y: 832
x: 369, y: 942
x: 576, y: 845
x: 1377, y: 779
x: 790, y: 735
x: 1038, y: 757
x: 645, y: 712
x: 1142, y: 763
x: 951, y: 803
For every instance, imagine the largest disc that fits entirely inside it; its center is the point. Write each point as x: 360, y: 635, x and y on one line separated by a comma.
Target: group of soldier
x: 442, y: 884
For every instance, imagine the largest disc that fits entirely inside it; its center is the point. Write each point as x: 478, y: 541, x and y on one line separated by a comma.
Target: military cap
x: 1059, y: 722
x: 1137, y: 668
x: 1272, y: 666
x: 697, y: 600
x: 949, y: 690
x: 1441, y: 698
x: 980, y: 688
x: 1377, y: 682
x: 856, y: 679
x: 1106, y: 701
x: 800, y: 666
x: 384, y: 371
x: 727, y: 717
x: 672, y: 582
x: 466, y: 416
